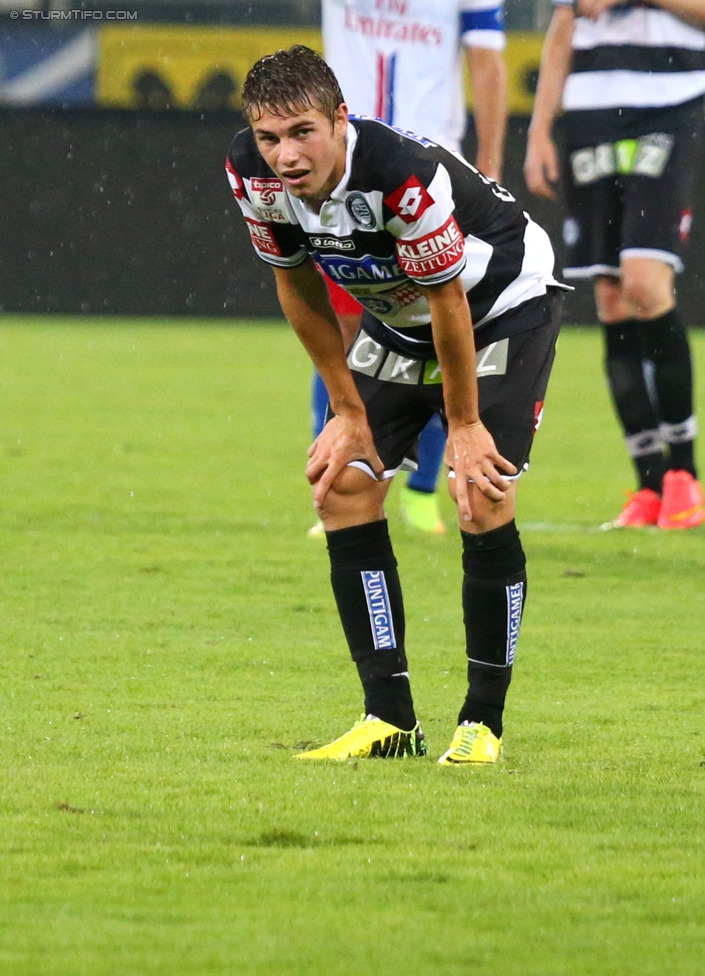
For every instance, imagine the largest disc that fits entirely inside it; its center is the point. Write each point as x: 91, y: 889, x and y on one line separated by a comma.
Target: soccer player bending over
x: 461, y: 319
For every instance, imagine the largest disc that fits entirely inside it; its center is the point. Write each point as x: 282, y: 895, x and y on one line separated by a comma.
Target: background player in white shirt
x: 403, y: 61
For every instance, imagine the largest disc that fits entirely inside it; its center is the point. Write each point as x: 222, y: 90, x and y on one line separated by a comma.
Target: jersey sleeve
x: 430, y: 247
x: 274, y: 231
x: 482, y: 24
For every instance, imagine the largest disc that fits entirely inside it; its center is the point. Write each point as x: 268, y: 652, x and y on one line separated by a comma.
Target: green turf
x: 168, y: 639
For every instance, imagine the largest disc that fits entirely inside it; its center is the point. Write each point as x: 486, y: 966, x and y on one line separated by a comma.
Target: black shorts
x: 629, y: 185
x: 402, y: 394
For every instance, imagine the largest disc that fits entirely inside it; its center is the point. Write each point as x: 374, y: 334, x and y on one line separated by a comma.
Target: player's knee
x: 485, y: 518
x: 486, y: 513
x: 650, y: 294
x: 355, y: 493
x: 352, y: 481
x: 609, y: 300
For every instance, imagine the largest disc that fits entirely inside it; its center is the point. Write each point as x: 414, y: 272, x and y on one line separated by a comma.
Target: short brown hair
x: 288, y: 81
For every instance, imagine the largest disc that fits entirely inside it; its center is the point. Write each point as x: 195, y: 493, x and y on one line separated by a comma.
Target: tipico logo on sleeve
x: 269, y: 199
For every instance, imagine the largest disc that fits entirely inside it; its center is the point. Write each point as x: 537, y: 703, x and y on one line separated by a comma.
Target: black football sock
x: 624, y: 365
x: 367, y: 590
x: 494, y: 591
x: 666, y: 345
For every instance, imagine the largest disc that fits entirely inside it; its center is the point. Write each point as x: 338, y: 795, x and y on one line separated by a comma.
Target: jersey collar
x: 338, y: 194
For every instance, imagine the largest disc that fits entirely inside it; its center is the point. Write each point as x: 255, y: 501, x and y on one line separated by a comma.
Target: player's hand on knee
x: 473, y: 457
x: 342, y: 441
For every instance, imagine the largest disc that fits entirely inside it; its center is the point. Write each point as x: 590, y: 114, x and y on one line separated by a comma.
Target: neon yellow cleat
x: 371, y: 738
x: 420, y: 511
x: 472, y: 743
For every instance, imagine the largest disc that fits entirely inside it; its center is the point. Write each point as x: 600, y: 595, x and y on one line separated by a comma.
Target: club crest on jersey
x: 410, y: 201
x: 360, y: 211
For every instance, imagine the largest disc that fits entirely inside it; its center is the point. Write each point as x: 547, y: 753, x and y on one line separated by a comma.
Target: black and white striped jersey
x: 407, y: 213
x: 634, y: 55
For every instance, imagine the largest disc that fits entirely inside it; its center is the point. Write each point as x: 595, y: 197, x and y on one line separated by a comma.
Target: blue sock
x: 319, y: 404
x: 432, y: 444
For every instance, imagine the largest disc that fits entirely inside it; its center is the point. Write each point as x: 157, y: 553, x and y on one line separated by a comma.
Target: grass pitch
x: 169, y: 640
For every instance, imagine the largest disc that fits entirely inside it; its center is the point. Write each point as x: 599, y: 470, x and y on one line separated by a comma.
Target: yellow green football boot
x: 420, y: 511
x: 473, y: 744
x: 371, y: 738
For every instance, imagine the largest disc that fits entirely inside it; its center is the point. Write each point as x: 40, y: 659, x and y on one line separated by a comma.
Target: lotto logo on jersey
x: 410, y: 201
x: 436, y: 252
x: 262, y: 237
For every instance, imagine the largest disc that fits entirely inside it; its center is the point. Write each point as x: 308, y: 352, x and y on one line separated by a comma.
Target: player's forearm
x: 556, y: 58
x: 455, y: 347
x: 488, y: 77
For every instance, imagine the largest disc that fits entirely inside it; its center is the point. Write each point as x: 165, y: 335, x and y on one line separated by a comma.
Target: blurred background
x: 115, y: 120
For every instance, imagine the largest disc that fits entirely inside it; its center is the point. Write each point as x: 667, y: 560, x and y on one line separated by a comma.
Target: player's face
x: 305, y: 150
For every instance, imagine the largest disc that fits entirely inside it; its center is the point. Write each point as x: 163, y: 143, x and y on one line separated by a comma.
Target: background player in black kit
x: 630, y: 80
x: 457, y: 283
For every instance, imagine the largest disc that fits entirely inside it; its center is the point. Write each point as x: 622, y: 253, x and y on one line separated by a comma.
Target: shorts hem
x: 667, y: 257
x: 591, y: 271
